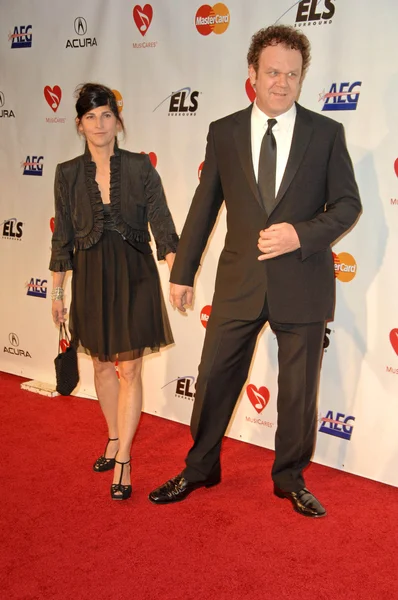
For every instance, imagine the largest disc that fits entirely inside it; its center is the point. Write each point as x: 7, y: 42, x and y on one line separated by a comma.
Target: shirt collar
x: 285, y: 121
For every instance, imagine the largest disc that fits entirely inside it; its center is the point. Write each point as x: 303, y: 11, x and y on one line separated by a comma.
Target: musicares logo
x: 52, y: 224
x: 250, y: 91
x: 259, y: 397
x: 152, y: 157
x: 205, y: 314
x: 396, y: 167
x: 53, y: 96
x: 143, y: 17
x: 119, y: 100
x: 200, y: 169
x: 212, y: 19
x: 345, y: 267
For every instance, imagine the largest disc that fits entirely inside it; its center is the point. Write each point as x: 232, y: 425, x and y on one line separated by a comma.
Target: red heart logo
x: 258, y: 397
x: 394, y: 339
x: 396, y: 167
x: 64, y: 345
x: 200, y: 169
x: 143, y: 17
x: 152, y: 157
x: 52, y: 224
x: 53, y: 96
x: 250, y: 91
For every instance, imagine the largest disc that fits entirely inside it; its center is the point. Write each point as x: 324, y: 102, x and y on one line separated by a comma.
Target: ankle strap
x: 123, y: 463
x: 112, y: 439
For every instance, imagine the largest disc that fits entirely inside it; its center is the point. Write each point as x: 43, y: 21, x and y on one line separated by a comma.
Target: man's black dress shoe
x: 178, y: 488
x: 303, y: 502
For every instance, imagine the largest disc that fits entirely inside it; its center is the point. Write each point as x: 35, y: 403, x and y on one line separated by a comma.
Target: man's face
x: 278, y: 80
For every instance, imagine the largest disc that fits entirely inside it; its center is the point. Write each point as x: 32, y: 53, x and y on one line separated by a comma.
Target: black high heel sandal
x: 105, y: 464
x: 118, y: 490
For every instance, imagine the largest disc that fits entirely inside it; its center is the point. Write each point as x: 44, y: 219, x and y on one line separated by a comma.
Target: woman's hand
x: 58, y: 311
x: 169, y: 258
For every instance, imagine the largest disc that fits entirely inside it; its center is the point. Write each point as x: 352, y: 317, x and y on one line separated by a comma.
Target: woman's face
x: 99, y: 126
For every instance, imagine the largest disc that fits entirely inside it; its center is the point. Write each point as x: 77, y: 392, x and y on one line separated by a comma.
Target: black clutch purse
x: 66, y: 370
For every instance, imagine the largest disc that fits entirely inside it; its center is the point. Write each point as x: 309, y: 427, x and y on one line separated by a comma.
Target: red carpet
x: 63, y: 537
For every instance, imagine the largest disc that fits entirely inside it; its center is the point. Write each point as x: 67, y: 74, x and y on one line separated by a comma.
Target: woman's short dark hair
x: 279, y: 34
x: 92, y: 95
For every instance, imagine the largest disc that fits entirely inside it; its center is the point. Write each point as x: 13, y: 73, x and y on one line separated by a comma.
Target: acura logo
x: 2, y: 99
x: 80, y: 26
x: 13, y: 339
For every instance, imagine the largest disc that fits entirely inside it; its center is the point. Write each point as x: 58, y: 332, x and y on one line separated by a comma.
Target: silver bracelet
x: 57, y: 293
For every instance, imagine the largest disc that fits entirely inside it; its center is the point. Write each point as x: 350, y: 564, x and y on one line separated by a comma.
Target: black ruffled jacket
x: 136, y: 196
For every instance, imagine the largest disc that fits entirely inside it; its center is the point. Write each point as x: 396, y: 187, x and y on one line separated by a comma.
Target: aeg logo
x: 37, y: 288
x: 310, y: 13
x: 341, y: 426
x: 345, y: 267
x: 345, y: 99
x: 212, y: 19
x: 21, y: 37
x: 33, y: 166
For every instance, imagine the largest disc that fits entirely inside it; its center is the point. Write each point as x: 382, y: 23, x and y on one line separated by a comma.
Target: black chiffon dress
x: 117, y: 310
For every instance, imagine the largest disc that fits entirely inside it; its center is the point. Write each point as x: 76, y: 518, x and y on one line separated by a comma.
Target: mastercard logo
x: 345, y: 267
x: 119, y: 100
x: 205, y: 314
x: 212, y: 19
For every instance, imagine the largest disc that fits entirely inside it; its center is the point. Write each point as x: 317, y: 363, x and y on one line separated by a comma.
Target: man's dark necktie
x: 267, y: 168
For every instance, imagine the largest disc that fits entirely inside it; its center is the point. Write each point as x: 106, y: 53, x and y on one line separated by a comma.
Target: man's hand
x: 276, y: 240
x: 181, y: 296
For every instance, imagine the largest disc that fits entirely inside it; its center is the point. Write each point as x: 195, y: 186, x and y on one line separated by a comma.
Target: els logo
x: 345, y: 267
x: 22, y: 37
x: 184, y: 387
x: 4, y: 112
x: 80, y: 25
x: 212, y: 19
x: 53, y: 96
x: 259, y: 397
x: 314, y: 12
x: 12, y: 229
x: 33, y: 166
x: 344, y: 99
x: 341, y: 426
x: 182, y: 103
x: 143, y: 17
x: 37, y: 288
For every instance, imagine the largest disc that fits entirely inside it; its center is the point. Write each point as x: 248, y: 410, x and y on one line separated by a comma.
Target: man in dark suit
x: 287, y: 180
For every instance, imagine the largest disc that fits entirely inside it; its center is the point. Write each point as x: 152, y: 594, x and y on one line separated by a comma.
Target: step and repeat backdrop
x: 176, y: 66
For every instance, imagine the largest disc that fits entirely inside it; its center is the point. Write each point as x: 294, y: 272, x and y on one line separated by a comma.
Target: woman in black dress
x: 104, y: 200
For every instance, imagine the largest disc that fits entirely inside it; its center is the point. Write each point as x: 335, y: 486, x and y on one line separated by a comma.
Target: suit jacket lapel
x: 301, y: 137
x: 242, y: 135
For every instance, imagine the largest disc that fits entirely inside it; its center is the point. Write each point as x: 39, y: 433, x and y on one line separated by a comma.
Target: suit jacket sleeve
x: 342, y: 205
x: 62, y: 243
x: 201, y: 217
x: 159, y: 215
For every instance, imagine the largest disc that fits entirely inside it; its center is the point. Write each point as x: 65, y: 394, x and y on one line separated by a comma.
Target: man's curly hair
x: 279, y: 34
